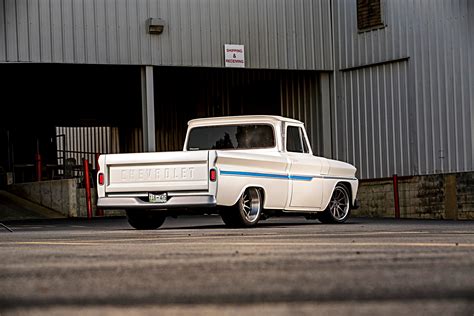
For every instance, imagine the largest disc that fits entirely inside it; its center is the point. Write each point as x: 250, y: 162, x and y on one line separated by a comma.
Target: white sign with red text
x: 234, y: 55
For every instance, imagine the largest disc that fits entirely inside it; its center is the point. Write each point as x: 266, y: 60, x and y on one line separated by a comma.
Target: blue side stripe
x: 265, y: 175
x: 303, y: 178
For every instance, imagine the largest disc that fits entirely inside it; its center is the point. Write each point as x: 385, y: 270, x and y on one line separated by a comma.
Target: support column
x: 326, y: 119
x: 148, y: 109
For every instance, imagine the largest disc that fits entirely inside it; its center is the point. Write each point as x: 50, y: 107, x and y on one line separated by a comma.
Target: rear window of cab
x: 241, y: 136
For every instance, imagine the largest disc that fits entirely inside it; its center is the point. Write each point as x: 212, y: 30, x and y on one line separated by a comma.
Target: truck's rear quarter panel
x: 239, y: 170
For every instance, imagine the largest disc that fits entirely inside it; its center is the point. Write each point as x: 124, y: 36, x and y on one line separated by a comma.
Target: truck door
x: 305, y: 172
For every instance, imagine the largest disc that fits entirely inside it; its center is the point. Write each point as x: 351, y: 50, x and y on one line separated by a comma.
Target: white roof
x: 241, y: 119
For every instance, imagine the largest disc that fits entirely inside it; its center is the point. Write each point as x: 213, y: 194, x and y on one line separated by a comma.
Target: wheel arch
x: 347, y: 185
x: 260, y: 188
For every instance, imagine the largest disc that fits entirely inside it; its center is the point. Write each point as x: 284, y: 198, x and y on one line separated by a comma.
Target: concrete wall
x: 64, y: 196
x: 440, y: 196
x: 59, y: 195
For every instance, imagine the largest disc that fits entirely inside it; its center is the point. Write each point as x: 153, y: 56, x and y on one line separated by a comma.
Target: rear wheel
x: 339, y: 206
x: 145, y: 220
x: 246, y: 212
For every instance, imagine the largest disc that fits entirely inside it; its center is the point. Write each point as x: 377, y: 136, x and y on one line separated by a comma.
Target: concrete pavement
x: 194, y: 265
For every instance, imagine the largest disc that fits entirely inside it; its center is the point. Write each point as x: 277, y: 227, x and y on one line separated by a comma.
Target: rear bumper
x: 204, y: 201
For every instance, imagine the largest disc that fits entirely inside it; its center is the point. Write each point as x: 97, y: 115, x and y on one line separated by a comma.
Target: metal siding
x: 215, y: 50
x: 155, y: 46
x: 252, y: 55
x: 33, y: 31
x: 212, y: 90
x: 204, y: 10
x: 272, y: 34
x: 100, y: 38
x: 277, y: 34
x: 122, y: 32
x: 263, y: 56
x: 185, y: 33
x: 78, y: 33
x: 56, y: 31
x: 470, y: 81
x: 3, y: 42
x: 132, y: 43
x: 196, y: 41
x: 111, y: 42
x: 67, y: 31
x: 11, y: 30
x: 281, y: 35
x: 411, y: 117
x: 22, y: 29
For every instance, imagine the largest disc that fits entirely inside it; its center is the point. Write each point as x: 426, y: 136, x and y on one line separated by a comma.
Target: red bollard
x: 395, y: 196
x: 87, y: 183
x: 38, y: 167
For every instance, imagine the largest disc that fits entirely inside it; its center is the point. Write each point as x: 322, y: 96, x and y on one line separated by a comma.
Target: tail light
x: 213, y: 175
x: 101, y: 178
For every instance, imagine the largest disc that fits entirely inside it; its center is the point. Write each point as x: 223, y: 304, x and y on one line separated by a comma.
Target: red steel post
x: 395, y: 196
x: 87, y: 183
x: 39, y: 167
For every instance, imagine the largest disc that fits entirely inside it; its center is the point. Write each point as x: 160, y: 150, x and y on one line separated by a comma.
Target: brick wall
x: 440, y: 196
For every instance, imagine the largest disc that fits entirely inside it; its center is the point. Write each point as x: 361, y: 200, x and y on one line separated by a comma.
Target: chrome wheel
x: 250, y: 205
x: 246, y: 212
x: 339, y: 205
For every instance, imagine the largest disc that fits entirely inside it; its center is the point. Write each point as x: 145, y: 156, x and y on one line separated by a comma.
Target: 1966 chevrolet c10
x: 245, y: 168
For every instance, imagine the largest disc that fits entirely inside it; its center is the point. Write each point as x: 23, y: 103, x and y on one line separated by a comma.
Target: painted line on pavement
x: 270, y: 243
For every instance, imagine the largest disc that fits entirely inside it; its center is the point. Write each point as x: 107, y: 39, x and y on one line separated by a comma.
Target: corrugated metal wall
x: 220, y: 92
x: 413, y: 114
x: 79, y: 143
x: 278, y: 34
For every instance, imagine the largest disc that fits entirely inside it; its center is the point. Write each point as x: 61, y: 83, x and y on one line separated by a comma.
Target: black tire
x: 145, y: 220
x: 339, y: 207
x: 246, y: 212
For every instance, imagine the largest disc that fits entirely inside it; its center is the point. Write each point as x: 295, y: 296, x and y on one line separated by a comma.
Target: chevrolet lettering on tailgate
x: 157, y: 174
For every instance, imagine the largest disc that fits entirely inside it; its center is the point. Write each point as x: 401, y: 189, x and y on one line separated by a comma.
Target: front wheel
x: 246, y: 212
x: 145, y: 220
x: 339, y: 207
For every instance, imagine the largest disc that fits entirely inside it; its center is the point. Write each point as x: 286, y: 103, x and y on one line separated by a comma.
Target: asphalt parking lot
x: 194, y: 265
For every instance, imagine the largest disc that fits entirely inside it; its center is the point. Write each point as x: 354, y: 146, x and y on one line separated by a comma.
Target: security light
x: 155, y: 25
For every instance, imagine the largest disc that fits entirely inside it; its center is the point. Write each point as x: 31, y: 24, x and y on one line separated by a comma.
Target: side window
x: 293, y: 139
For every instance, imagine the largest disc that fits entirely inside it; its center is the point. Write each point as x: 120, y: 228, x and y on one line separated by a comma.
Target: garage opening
x: 67, y: 112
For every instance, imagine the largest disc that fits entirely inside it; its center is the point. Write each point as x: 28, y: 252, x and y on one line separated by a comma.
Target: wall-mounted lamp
x: 155, y: 25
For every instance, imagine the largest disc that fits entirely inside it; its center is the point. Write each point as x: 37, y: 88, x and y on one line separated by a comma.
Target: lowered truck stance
x: 244, y: 168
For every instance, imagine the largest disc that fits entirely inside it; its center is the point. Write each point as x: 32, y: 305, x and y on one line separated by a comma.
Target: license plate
x: 157, y: 198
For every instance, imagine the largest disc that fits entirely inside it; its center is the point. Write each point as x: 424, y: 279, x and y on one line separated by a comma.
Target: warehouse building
x: 387, y: 85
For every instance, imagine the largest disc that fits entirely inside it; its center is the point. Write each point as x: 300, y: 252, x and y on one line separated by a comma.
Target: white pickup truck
x: 244, y: 168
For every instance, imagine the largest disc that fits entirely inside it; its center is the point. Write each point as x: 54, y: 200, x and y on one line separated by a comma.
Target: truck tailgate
x: 157, y: 172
